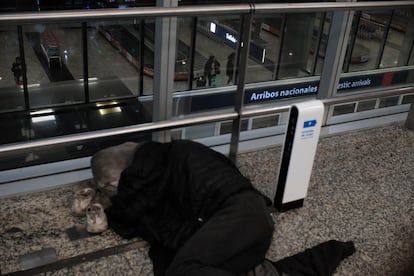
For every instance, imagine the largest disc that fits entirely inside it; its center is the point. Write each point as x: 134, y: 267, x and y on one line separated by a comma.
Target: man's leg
x: 320, y: 260
x: 231, y: 242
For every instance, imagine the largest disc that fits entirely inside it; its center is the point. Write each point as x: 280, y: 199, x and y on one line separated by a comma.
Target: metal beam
x: 199, y: 10
x: 244, y: 46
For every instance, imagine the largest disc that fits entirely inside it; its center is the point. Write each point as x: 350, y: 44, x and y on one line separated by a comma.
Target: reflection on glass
x: 216, y: 44
x: 200, y: 131
x: 183, y: 53
x: 11, y: 71
x: 264, y: 48
x: 296, y: 50
x: 389, y: 101
x: 400, y: 39
x: 114, y: 59
x: 408, y: 99
x: 299, y: 53
x: 411, y: 61
x: 366, y: 105
x: 370, y: 32
x: 265, y: 121
x: 323, y: 42
x: 54, y: 64
x: 225, y: 127
x: 343, y: 109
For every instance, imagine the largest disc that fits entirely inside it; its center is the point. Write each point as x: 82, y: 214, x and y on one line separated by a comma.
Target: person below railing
x: 200, y: 215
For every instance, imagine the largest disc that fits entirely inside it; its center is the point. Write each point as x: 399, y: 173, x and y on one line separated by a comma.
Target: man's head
x: 108, y: 164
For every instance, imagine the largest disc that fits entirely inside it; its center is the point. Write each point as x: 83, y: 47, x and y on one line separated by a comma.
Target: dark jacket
x: 170, y: 190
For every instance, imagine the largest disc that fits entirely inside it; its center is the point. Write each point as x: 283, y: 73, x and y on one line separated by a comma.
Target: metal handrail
x: 139, y: 128
x: 188, y: 121
x: 329, y: 6
x: 22, y: 18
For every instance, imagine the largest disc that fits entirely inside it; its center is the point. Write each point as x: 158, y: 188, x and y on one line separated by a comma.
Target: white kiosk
x: 298, y: 154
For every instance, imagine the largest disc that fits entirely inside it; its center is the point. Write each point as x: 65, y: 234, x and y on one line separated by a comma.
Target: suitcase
x: 201, y: 81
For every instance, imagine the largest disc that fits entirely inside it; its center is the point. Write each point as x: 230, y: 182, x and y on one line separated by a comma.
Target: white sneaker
x: 96, y: 221
x: 82, y: 199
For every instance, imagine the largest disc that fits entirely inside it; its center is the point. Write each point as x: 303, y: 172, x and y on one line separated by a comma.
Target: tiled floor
x: 361, y: 189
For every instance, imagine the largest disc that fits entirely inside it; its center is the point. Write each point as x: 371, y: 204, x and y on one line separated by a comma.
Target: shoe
x: 82, y: 199
x: 96, y: 221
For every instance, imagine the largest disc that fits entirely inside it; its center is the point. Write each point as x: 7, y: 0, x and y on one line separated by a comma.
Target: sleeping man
x: 200, y: 215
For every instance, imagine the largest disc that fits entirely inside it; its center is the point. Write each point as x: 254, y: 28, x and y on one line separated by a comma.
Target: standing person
x: 211, y: 69
x: 230, y: 67
x: 17, y: 70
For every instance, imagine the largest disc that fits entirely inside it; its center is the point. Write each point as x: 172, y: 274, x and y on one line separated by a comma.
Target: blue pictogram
x: 310, y: 123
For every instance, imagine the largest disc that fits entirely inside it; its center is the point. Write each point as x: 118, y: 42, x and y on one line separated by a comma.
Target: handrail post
x: 164, y: 68
x: 244, y: 46
x: 335, y: 54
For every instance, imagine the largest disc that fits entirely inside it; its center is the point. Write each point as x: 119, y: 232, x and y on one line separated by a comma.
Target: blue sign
x: 270, y: 93
x: 276, y: 92
x: 372, y: 80
x: 310, y: 123
x: 254, y: 95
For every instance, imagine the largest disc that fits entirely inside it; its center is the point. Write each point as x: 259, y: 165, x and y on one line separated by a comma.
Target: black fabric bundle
x: 202, y: 217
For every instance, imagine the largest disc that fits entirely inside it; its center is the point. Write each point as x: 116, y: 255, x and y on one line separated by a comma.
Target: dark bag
x: 201, y: 81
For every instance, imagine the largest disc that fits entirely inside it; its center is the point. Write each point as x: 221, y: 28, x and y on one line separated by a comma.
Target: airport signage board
x: 373, y: 80
x: 231, y: 38
x: 277, y: 92
x: 280, y: 92
x: 224, y: 34
x: 254, y: 95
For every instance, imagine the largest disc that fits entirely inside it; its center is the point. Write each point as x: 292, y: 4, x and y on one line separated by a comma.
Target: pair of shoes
x: 84, y: 203
x: 82, y: 198
x: 96, y: 221
x: 85, y: 196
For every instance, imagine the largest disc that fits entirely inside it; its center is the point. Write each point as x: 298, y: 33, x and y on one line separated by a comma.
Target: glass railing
x: 75, y: 81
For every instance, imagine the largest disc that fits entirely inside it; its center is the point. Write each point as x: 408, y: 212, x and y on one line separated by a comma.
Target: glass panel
x: 54, y: 64
x: 323, y: 43
x: 15, y: 128
x: 183, y: 53
x: 31, y: 157
x: 317, y: 36
x: 216, y: 41
x: 148, y: 56
x: 269, y: 60
x: 389, y: 101
x: 366, y: 105
x: 411, y: 61
x: 343, y: 109
x: 392, y: 49
x: 370, y: 33
x: 400, y: 39
x: 200, y: 131
x: 408, y: 99
x: 225, y: 127
x: 264, y: 48
x: 113, y: 59
x: 11, y: 90
x: 266, y: 121
x: 297, y: 43
x: 176, y: 134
